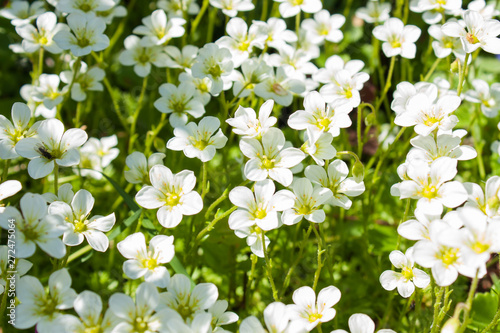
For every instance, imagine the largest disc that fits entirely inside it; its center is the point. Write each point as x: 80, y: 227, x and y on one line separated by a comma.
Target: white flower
x: 21, y: 266
x: 361, y: 323
x: 52, y: 145
x: 139, y: 315
x: 35, y: 227
x: 335, y: 64
x: 157, y: 30
x: 232, y: 7
x: 201, y: 323
x: 280, y: 87
x: 336, y: 180
x: 41, y: 308
x: 88, y: 306
x: 181, y: 59
x: 12, y: 132
x: 245, y: 120
x: 147, y: 262
x: 180, y: 102
x: 270, y: 158
x: 276, y: 318
x: 253, y: 237
x: 259, y: 209
x: 427, y: 115
x: 86, y: 35
x: 86, y: 80
x: 488, y: 11
x: 47, y: 91
x: 199, y: 140
x: 307, y: 202
x: 431, y: 185
x: 374, y: 12
x: 477, y: 240
x: 173, y: 194
x: 417, y: 229
x: 241, y: 41
x: 220, y: 316
x: 324, y: 27
x: 42, y: 35
x: 480, y: 33
x: 444, y: 45
x: 141, y: 57
x: 296, y: 62
x: 7, y: 189
x: 289, y: 8
x: 489, y: 200
x: 318, y: 146
x: 445, y: 261
x: 406, y: 90
x: 64, y: 193
x: 434, y: 10
x: 110, y: 14
x: 79, y: 224
x: 409, y: 277
x: 203, y: 86
x: 215, y: 63
x: 186, y: 300
x: 103, y: 151
x: 177, y: 8
x: 27, y: 91
x: 320, y: 118
x: 139, y: 166
x: 308, y: 312
x: 428, y: 148
x: 253, y: 72
x: 345, y: 89
x: 397, y: 38
x: 22, y: 12
x: 489, y: 98
x: 84, y: 6
x: 277, y: 33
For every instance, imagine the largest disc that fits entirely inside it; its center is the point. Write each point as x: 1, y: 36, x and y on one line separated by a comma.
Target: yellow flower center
x: 215, y: 71
x: 314, y: 316
x: 407, y: 273
x: 324, y: 123
x: 172, y: 199
x: 429, y: 192
x: 80, y: 226
x: 267, y: 163
x: 471, y: 38
x: 260, y: 213
x: 448, y: 255
x: 150, y: 263
x: 479, y: 247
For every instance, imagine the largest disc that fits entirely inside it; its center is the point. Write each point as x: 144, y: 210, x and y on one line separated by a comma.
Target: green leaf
x: 119, y: 228
x: 484, y: 307
x: 126, y: 197
x: 179, y: 269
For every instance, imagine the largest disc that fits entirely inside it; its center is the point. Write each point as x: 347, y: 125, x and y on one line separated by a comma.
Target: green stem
x: 198, y: 18
x: 56, y: 176
x: 437, y: 306
x: 470, y: 298
x: 320, y: 262
x: 358, y: 130
x: 211, y: 225
x: 204, y: 181
x: 462, y: 75
x: 5, y: 173
x: 297, y: 259
x: 136, y: 115
x: 40, y: 62
x: 297, y: 27
x: 269, y: 267
x: 265, y: 5
x: 78, y: 114
x: 386, y: 153
x: 432, y: 69
x: 387, y: 84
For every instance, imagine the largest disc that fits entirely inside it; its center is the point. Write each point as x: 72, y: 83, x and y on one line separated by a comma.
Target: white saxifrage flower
x: 427, y: 115
x: 434, y: 10
x: 431, y: 185
x: 139, y: 166
x: 374, y: 12
x: 318, y: 146
x: 444, y: 45
x: 295, y: 61
x: 489, y: 200
x: 157, y: 30
x: 232, y: 7
x: 22, y: 12
x: 148, y: 261
x: 103, y: 151
x: 85, y: 80
x: 42, y: 35
x: 276, y: 319
x: 319, y: 117
x: 41, y: 308
x: 270, y: 158
x: 280, y: 87
x: 405, y: 90
x: 12, y: 132
x: 308, y: 200
x: 7, y: 189
x: 477, y: 33
x: 86, y: 35
x: 259, y: 209
x: 308, y: 312
x: 79, y: 224
x: 215, y: 63
x: 241, y: 41
x: 199, y: 140
x: 172, y: 194
x: 361, y: 323
x: 51, y: 145
x: 47, y: 91
x: 277, y: 33
x: 177, y: 8
x: 245, y: 120
x: 397, y: 38
x: 220, y: 316
x: 201, y: 322
x: 142, y: 57
x: 253, y: 72
x: 185, y: 300
x: 488, y: 97
x: 179, y: 102
x: 345, y: 89
x: 428, y: 148
x: 418, y: 228
x: 20, y: 267
x: 337, y: 181
x: 34, y: 227
x: 27, y: 91
x: 409, y: 277
x: 184, y: 58
x: 324, y: 27
x: 84, y: 6
x: 139, y: 315
x: 289, y: 8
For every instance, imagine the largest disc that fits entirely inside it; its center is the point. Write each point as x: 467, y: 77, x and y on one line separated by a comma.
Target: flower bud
x: 454, y: 66
x: 452, y: 325
x: 358, y: 171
